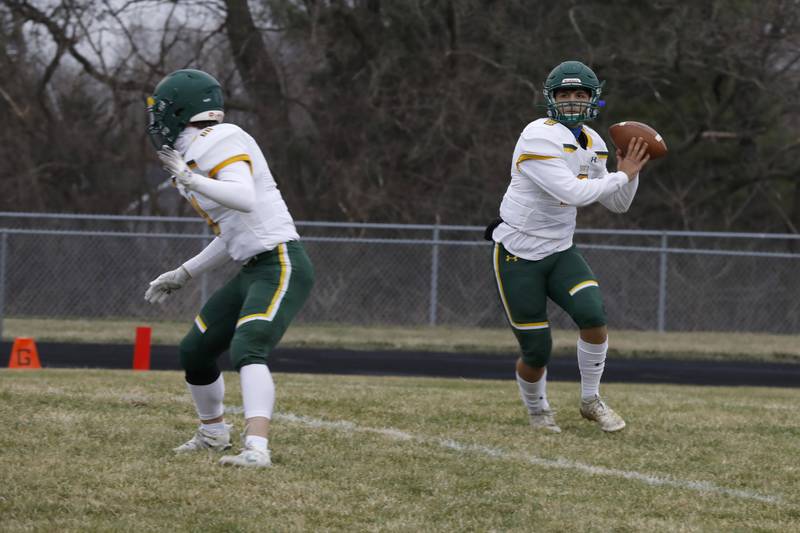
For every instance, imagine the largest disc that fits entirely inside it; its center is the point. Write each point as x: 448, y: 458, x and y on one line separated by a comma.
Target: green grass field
x: 623, y: 344
x: 90, y: 451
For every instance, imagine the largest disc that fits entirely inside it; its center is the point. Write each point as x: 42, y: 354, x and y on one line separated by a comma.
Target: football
x: 622, y: 133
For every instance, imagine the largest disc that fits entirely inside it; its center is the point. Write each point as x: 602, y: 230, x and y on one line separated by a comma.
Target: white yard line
x: 699, y: 486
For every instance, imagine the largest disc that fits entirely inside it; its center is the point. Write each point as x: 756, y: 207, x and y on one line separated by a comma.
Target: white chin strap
x: 208, y: 115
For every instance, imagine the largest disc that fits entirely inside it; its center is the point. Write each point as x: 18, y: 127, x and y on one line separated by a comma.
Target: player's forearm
x: 554, y: 176
x: 212, y: 256
x: 621, y: 200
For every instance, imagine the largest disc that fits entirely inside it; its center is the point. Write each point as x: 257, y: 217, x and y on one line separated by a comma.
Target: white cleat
x: 250, y: 457
x: 544, y: 419
x: 596, y: 410
x: 207, y: 440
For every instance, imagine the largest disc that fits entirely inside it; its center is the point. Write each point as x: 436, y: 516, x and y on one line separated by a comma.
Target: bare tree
x: 407, y: 111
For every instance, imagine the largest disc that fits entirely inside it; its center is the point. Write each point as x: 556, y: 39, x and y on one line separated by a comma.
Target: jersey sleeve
x: 554, y: 176
x: 599, y: 147
x: 537, y: 148
x: 232, y: 187
x: 617, y: 201
x: 212, y: 256
x: 225, y: 167
x: 541, y: 159
x: 217, y: 147
x: 620, y: 201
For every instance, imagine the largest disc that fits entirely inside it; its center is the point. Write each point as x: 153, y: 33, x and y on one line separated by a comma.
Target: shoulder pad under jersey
x: 544, y: 139
x: 216, y: 147
x: 546, y: 128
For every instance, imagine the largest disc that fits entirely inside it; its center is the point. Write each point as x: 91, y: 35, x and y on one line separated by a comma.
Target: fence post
x: 3, y: 250
x: 204, y: 277
x: 434, y: 276
x: 662, y: 285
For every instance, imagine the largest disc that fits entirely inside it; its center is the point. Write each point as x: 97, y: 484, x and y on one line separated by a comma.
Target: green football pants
x: 249, y: 314
x: 524, y: 286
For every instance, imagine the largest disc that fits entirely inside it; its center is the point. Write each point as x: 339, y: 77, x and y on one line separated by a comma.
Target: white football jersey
x: 552, y: 175
x: 245, y: 234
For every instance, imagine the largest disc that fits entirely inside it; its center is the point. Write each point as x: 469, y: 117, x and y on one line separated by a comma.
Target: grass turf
x: 90, y: 450
x: 623, y: 344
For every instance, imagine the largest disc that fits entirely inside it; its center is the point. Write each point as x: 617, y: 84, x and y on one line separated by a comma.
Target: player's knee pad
x: 588, y: 310
x: 191, y: 356
x: 205, y: 376
x: 536, y: 346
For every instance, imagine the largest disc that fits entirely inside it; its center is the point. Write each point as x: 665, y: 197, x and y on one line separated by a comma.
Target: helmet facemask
x: 164, y: 126
x: 573, y: 112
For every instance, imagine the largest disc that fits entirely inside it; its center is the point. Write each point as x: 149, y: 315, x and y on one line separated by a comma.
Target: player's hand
x: 174, y: 164
x: 636, y: 157
x: 163, y: 285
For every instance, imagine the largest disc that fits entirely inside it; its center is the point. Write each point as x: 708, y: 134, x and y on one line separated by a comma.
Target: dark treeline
x: 406, y: 111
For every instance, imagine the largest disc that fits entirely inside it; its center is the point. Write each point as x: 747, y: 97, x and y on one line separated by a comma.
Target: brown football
x: 622, y: 133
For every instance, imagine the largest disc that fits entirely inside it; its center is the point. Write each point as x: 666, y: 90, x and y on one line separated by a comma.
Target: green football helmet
x: 180, y: 98
x: 573, y: 75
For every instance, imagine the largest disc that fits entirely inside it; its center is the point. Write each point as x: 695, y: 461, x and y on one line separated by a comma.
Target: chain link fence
x: 98, y: 266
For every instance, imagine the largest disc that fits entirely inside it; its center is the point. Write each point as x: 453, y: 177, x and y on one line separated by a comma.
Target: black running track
x: 434, y: 364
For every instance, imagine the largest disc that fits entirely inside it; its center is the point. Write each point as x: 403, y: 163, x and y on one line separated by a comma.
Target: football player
x: 559, y: 164
x: 223, y: 174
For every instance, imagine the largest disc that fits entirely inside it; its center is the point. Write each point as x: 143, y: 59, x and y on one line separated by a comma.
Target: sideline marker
x: 141, y: 351
x: 24, y: 354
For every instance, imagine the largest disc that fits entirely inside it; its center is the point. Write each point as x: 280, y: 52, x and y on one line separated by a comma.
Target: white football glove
x: 163, y: 285
x: 174, y: 164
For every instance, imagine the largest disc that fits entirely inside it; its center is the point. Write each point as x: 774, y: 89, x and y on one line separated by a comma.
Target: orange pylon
x: 24, y: 354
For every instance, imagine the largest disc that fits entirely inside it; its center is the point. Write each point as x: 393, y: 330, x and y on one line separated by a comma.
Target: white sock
x: 591, y: 362
x: 208, y: 399
x: 216, y: 427
x: 253, y: 441
x: 534, y: 395
x: 258, y: 391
